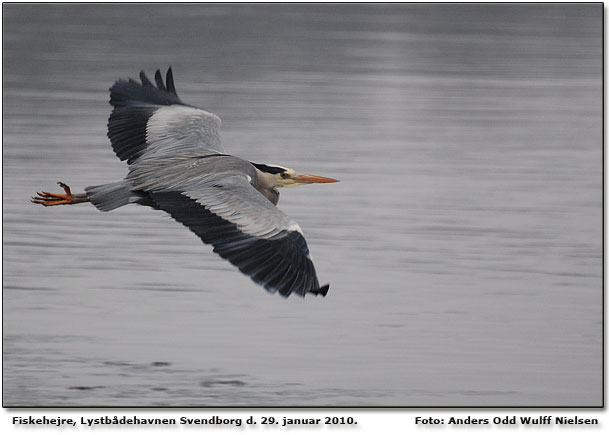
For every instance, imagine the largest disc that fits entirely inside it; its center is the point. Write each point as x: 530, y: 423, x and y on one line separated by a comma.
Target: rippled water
x: 463, y: 244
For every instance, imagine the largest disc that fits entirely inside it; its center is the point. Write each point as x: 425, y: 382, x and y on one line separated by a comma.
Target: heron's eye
x: 284, y: 175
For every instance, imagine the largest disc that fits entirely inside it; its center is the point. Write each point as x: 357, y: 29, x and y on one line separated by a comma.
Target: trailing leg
x: 48, y: 199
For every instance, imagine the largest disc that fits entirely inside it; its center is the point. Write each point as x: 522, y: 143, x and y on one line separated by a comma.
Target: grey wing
x: 244, y: 227
x: 149, y: 119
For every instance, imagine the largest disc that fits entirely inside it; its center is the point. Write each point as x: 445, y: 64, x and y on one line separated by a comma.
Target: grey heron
x: 178, y: 164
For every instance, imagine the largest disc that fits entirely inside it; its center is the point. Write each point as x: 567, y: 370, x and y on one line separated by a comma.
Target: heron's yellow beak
x: 308, y: 179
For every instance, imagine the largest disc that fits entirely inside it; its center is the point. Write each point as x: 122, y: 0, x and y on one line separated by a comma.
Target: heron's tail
x: 106, y: 197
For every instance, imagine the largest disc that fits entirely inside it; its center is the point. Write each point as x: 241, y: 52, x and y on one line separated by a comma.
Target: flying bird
x: 178, y: 164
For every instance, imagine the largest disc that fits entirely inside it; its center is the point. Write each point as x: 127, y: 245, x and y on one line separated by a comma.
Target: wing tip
x: 323, y: 290
x: 169, y: 81
x: 131, y: 92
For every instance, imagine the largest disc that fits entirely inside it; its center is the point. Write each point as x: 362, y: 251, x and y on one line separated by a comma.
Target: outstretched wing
x: 149, y: 119
x: 244, y: 227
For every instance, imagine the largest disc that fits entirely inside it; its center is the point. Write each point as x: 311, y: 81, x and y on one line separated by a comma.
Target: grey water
x: 463, y: 245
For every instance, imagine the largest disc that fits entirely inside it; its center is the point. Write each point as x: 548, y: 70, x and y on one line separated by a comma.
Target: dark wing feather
x: 145, y: 80
x: 171, y: 88
x: 127, y: 130
x: 152, y: 119
x: 131, y: 93
x: 280, y: 263
x: 159, y: 81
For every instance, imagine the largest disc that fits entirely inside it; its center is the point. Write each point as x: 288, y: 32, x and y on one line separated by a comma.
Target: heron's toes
x: 65, y: 187
x: 48, y: 199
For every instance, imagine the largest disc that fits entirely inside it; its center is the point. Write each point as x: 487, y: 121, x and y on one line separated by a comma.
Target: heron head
x: 279, y: 176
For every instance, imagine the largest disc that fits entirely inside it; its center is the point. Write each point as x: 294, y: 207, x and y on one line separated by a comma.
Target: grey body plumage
x: 177, y: 164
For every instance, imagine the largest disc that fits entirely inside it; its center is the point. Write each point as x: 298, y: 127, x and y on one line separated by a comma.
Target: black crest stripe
x: 269, y: 169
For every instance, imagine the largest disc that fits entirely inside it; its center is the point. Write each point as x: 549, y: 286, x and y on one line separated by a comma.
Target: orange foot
x: 48, y: 199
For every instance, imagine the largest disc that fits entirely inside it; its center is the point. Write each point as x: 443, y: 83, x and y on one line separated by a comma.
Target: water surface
x: 463, y: 244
